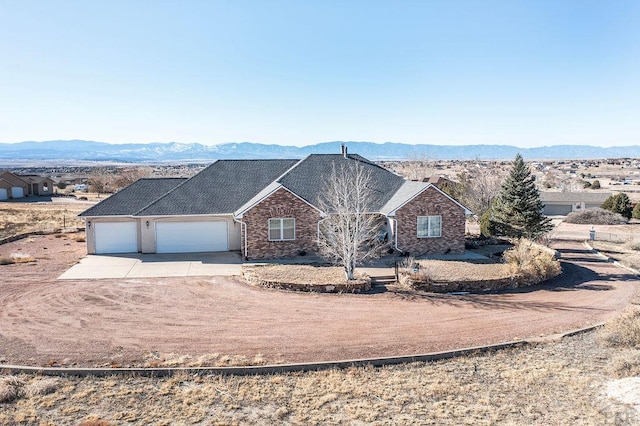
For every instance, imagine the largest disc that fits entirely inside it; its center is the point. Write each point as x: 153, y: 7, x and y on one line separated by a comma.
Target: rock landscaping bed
x: 325, y: 279
x: 526, y: 264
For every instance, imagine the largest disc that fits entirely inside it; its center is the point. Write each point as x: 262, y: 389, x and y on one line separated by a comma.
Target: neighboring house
x: 12, y: 186
x: 563, y: 203
x: 442, y: 182
x: 266, y: 209
x: 38, y: 185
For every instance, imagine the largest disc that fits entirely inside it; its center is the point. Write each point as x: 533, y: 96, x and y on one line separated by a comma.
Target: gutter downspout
x: 395, y: 232
x: 319, y: 222
x: 242, y: 224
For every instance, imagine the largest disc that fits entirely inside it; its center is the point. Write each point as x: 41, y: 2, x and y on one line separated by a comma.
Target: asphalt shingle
x: 221, y: 188
x: 307, y: 178
x: 130, y: 200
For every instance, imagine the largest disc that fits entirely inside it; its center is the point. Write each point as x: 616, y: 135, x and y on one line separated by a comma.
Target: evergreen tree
x: 619, y: 203
x: 517, y: 210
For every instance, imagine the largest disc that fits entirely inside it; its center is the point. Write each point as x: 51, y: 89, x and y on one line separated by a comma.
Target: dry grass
x: 154, y: 360
x: 559, y: 383
x: 22, y: 258
x: 534, y: 263
x: 20, y: 218
x: 624, y: 330
x: 300, y: 274
x: 624, y: 252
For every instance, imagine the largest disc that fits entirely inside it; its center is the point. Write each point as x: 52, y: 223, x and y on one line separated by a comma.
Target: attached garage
x: 3, y: 194
x: 116, y: 237
x: 191, y: 237
x: 17, y: 192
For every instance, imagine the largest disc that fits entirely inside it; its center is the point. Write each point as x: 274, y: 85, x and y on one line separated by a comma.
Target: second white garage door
x: 191, y: 237
x: 17, y: 192
x: 3, y: 194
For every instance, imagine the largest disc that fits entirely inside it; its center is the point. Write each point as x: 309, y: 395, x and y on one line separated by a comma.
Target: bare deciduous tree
x: 478, y: 187
x: 349, y: 233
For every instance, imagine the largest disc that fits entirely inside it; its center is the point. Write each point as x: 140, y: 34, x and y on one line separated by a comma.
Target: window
x: 45, y: 187
x: 282, y: 229
x: 429, y: 226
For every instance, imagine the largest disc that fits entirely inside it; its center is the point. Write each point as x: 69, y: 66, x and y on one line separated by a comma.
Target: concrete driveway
x: 155, y: 265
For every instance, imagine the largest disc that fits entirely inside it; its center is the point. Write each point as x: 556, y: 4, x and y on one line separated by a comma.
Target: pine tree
x: 517, y: 210
x: 619, y: 203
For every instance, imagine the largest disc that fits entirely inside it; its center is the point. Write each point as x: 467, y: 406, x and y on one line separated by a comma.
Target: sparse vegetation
x: 555, y: 383
x: 596, y: 216
x: 20, y: 218
x: 22, y: 258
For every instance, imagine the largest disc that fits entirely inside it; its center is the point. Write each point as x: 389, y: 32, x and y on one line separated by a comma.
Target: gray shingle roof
x: 130, y: 200
x: 574, y: 197
x: 221, y: 188
x: 307, y: 178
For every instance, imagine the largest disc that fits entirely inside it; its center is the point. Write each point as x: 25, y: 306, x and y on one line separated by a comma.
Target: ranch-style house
x: 266, y: 209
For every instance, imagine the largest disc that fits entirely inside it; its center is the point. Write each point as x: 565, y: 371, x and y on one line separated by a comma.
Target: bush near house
x: 596, y: 216
x: 525, y: 264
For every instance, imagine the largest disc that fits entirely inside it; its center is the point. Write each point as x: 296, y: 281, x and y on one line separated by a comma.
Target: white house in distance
x: 563, y: 203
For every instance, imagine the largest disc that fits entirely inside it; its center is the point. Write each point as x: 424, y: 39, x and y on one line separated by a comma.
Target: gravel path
x: 46, y: 321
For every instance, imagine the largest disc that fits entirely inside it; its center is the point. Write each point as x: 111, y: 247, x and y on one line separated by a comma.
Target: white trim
x: 428, y: 226
x: 240, y: 214
x: 281, y: 219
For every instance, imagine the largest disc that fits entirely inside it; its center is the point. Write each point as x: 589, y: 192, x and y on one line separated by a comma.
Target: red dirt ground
x: 89, y: 323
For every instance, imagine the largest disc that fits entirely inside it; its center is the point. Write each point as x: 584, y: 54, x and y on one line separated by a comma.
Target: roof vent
x: 343, y: 150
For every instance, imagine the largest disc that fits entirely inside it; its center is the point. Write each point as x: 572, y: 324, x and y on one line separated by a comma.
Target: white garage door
x: 17, y: 192
x: 190, y: 237
x: 3, y: 194
x: 116, y: 237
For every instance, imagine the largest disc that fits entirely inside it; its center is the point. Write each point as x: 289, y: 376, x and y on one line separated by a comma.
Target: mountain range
x: 173, y: 151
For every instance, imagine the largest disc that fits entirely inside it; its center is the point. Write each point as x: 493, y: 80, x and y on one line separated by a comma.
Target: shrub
x: 596, y: 216
x: 626, y: 364
x: 636, y: 211
x: 410, y: 272
x: 533, y: 262
x: 586, y: 184
x: 618, y: 203
x: 22, y: 258
x: 11, y: 388
x: 595, y: 184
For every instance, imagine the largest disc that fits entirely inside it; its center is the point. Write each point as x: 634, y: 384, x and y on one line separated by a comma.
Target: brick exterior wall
x: 280, y: 204
x: 431, y: 203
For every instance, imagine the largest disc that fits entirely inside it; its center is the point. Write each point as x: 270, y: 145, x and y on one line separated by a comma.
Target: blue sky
x: 525, y: 73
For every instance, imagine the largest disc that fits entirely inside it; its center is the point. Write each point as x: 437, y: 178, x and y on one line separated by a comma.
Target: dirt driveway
x: 46, y: 321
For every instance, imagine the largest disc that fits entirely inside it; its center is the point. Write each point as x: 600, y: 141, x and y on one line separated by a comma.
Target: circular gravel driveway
x: 97, y: 322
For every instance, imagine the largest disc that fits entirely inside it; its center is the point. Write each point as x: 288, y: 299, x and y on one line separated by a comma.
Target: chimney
x: 343, y: 150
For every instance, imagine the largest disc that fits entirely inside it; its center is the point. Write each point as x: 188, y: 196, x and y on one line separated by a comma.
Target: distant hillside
x: 138, y: 152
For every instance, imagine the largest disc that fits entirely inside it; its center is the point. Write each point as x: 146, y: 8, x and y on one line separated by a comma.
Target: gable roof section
x: 12, y: 178
x: 307, y: 178
x: 410, y: 190
x: 221, y: 188
x: 130, y: 200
